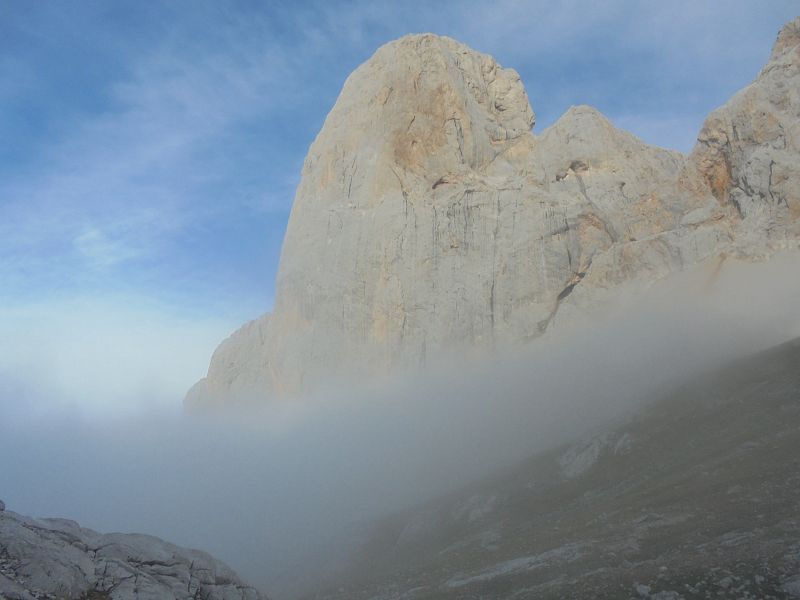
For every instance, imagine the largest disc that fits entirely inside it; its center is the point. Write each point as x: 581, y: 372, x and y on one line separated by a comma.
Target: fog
x: 285, y: 492
x: 103, y: 354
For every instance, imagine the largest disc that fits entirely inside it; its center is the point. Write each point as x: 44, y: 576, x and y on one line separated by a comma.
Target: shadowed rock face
x: 58, y: 559
x: 430, y: 219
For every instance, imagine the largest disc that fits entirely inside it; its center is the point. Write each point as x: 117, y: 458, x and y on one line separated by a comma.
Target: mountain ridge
x: 430, y: 219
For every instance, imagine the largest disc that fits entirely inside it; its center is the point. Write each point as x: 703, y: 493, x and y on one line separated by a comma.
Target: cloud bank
x: 284, y: 494
x: 113, y: 357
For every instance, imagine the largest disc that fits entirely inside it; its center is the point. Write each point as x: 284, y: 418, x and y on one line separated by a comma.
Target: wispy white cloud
x: 101, y: 250
x: 112, y: 193
x: 127, y: 178
x: 140, y: 170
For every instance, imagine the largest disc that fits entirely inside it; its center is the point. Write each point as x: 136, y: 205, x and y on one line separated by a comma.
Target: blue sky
x: 151, y: 149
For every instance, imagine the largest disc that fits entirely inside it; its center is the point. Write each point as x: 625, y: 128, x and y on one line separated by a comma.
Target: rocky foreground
x: 696, y: 498
x: 58, y: 559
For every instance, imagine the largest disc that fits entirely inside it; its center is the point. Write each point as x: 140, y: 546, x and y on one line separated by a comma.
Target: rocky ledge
x: 57, y: 558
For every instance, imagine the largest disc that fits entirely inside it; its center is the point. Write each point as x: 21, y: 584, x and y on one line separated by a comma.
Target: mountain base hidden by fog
x: 499, y: 366
x: 430, y: 220
x: 692, y: 496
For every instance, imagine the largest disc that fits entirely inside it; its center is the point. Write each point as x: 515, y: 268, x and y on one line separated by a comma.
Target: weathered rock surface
x: 56, y: 558
x: 748, y: 150
x: 430, y: 219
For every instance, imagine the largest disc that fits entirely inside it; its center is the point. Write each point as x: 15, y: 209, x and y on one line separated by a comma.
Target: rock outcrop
x: 58, y: 559
x: 430, y: 219
x: 748, y: 150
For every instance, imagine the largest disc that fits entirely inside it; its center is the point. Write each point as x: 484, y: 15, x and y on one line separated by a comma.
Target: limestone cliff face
x: 430, y: 219
x: 748, y: 150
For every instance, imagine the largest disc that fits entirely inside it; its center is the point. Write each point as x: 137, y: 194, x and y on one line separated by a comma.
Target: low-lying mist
x: 285, y: 492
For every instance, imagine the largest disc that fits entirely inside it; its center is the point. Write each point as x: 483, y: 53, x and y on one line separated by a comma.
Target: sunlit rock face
x: 430, y: 220
x: 748, y: 150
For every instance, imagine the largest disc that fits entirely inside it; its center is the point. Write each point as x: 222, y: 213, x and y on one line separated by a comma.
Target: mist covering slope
x: 286, y: 495
x: 429, y: 220
x: 694, y: 497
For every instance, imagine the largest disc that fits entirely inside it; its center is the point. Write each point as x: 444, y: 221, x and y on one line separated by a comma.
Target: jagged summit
x: 588, y: 126
x: 747, y: 150
x: 429, y: 218
x: 788, y: 40
x: 474, y: 77
x: 425, y: 104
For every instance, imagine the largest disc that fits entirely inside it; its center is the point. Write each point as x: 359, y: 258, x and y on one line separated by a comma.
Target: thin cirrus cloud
x: 210, y: 119
x: 150, y: 167
x: 153, y: 148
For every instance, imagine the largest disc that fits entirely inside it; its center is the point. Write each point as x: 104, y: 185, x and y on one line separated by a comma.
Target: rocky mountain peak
x: 747, y: 150
x: 430, y: 220
x: 425, y: 104
x: 788, y: 40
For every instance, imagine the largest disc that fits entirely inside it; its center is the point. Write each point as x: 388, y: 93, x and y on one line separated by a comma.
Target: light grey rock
x: 748, y: 151
x: 792, y: 586
x: 430, y: 220
x: 56, y: 558
x: 239, y: 368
